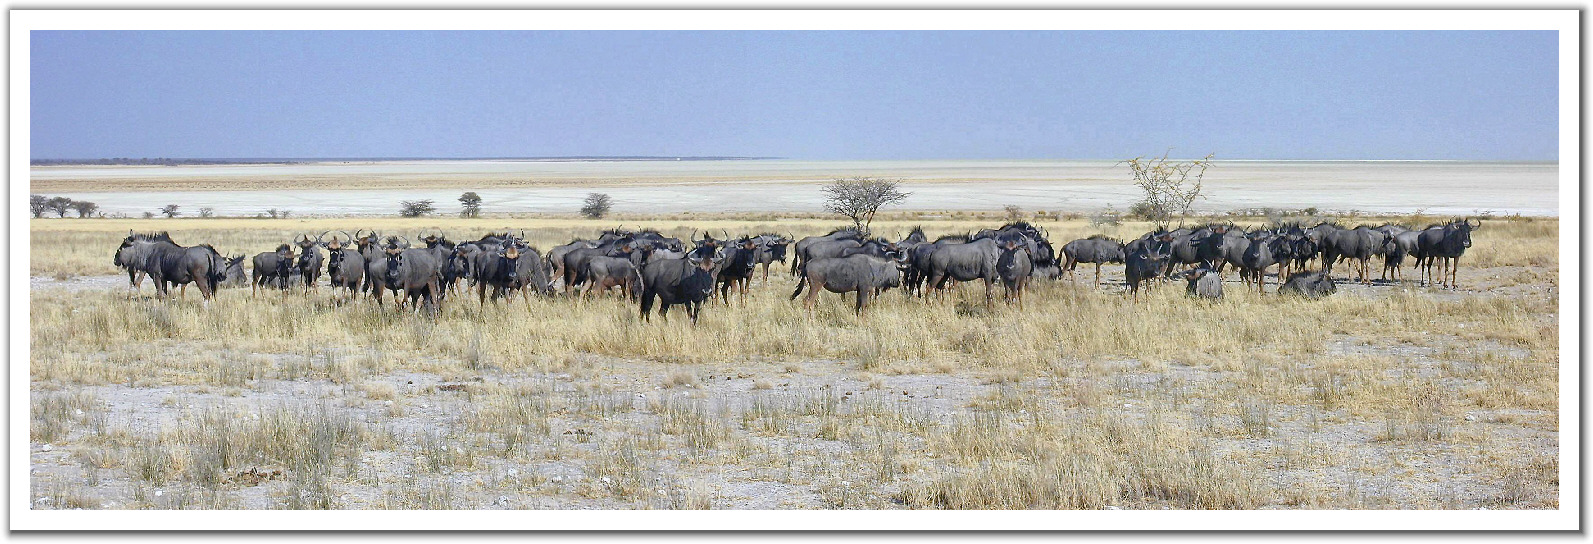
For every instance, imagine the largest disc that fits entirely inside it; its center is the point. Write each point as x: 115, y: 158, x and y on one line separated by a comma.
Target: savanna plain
x: 1385, y: 396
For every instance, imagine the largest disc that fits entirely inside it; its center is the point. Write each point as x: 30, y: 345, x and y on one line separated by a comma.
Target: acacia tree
x: 415, y: 208
x: 471, y: 204
x: 860, y: 198
x: 38, y: 204
x: 596, y: 205
x: 1170, y: 187
x: 171, y: 210
x: 84, y: 208
x: 59, y: 205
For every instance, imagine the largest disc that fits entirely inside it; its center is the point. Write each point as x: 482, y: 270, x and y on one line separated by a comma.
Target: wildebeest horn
x: 1477, y: 226
x: 406, y: 241
x: 318, y: 237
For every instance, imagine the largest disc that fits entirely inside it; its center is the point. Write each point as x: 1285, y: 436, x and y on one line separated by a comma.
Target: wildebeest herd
x: 648, y: 267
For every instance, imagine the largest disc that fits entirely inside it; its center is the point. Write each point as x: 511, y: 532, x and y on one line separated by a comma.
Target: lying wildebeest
x: 801, y: 247
x: 169, y: 264
x: 1097, y: 250
x: 1445, y: 244
x: 418, y: 273
x: 975, y: 260
x: 310, y: 259
x: 272, y: 266
x: 1204, y: 283
x: 865, y: 274
x: 345, y: 267
x: 1316, y: 284
x: 688, y: 281
x: 1147, y: 260
x: 235, y: 275
x: 606, y: 273
x: 1014, y: 265
x: 132, y: 253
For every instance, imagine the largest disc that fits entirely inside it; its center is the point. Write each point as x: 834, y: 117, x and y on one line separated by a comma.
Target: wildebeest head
x: 395, y: 258
x: 1460, y: 230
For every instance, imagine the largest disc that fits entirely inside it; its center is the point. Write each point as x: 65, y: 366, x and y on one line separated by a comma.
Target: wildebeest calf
x: 1204, y: 283
x: 1312, y: 285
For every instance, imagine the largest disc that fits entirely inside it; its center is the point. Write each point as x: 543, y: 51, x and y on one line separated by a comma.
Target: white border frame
x: 1565, y: 21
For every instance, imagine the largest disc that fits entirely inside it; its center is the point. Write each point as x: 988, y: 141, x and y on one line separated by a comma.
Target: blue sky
x: 806, y: 95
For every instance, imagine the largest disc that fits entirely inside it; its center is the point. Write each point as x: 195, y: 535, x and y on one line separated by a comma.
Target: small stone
x: 556, y: 479
x: 159, y: 492
x: 48, y: 447
x: 1471, y: 417
x: 606, y: 480
x: 514, y: 472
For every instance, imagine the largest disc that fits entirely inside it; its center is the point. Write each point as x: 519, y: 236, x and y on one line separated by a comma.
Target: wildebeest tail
x: 800, y: 284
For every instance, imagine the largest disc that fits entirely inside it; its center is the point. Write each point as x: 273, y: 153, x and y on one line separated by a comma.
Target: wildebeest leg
x: 990, y: 293
x: 813, y: 294
x: 647, y: 303
x: 1097, y: 274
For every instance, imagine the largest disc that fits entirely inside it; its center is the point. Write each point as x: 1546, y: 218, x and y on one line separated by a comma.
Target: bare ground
x: 604, y: 432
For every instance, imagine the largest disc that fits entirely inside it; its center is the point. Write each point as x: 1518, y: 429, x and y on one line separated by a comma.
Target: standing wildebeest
x: 606, y: 273
x: 1358, y: 244
x: 1097, y: 250
x: 736, y: 269
x: 801, y: 247
x: 532, y: 273
x: 1446, y: 244
x: 919, y: 257
x: 1204, y: 283
x: 966, y: 262
x: 1402, y: 243
x: 133, y: 252
x: 687, y: 281
x: 345, y: 267
x: 1015, y: 266
x: 865, y: 274
x: 310, y: 258
x: 1313, y: 285
x: 272, y: 265
x: 169, y: 264
x: 575, y: 260
x: 771, y: 248
x: 1265, y: 249
x: 500, y: 270
x: 418, y: 272
x: 1146, y: 260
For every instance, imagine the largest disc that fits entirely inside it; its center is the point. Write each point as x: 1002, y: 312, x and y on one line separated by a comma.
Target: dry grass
x: 1085, y: 400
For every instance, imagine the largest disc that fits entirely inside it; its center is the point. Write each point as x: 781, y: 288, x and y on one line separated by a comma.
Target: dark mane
x: 843, y: 229
x: 161, y: 236
x: 1104, y: 237
x: 284, y: 247
x: 957, y: 237
x: 1019, y: 224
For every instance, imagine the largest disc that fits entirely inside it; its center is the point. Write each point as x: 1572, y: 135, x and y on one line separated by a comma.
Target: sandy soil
x: 565, y: 478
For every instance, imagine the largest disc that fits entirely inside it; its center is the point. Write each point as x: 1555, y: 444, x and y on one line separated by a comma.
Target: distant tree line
x: 59, y: 205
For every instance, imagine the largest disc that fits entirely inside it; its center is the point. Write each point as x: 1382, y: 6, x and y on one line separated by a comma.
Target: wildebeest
x: 918, y: 261
x: 1316, y: 284
x: 1097, y: 250
x: 966, y: 262
x: 1147, y: 260
x: 1265, y: 249
x: 771, y: 248
x: 532, y: 273
x: 1445, y: 244
x: 1401, y: 244
x: 310, y: 258
x: 272, y: 265
x: 1204, y: 283
x: 133, y: 252
x: 500, y: 270
x: 1014, y: 265
x: 235, y: 275
x: 576, y: 259
x: 169, y: 264
x: 801, y: 247
x: 863, y: 273
x: 345, y: 267
x: 687, y: 281
x: 736, y: 269
x: 605, y: 273
x: 1358, y: 244
x: 418, y: 273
